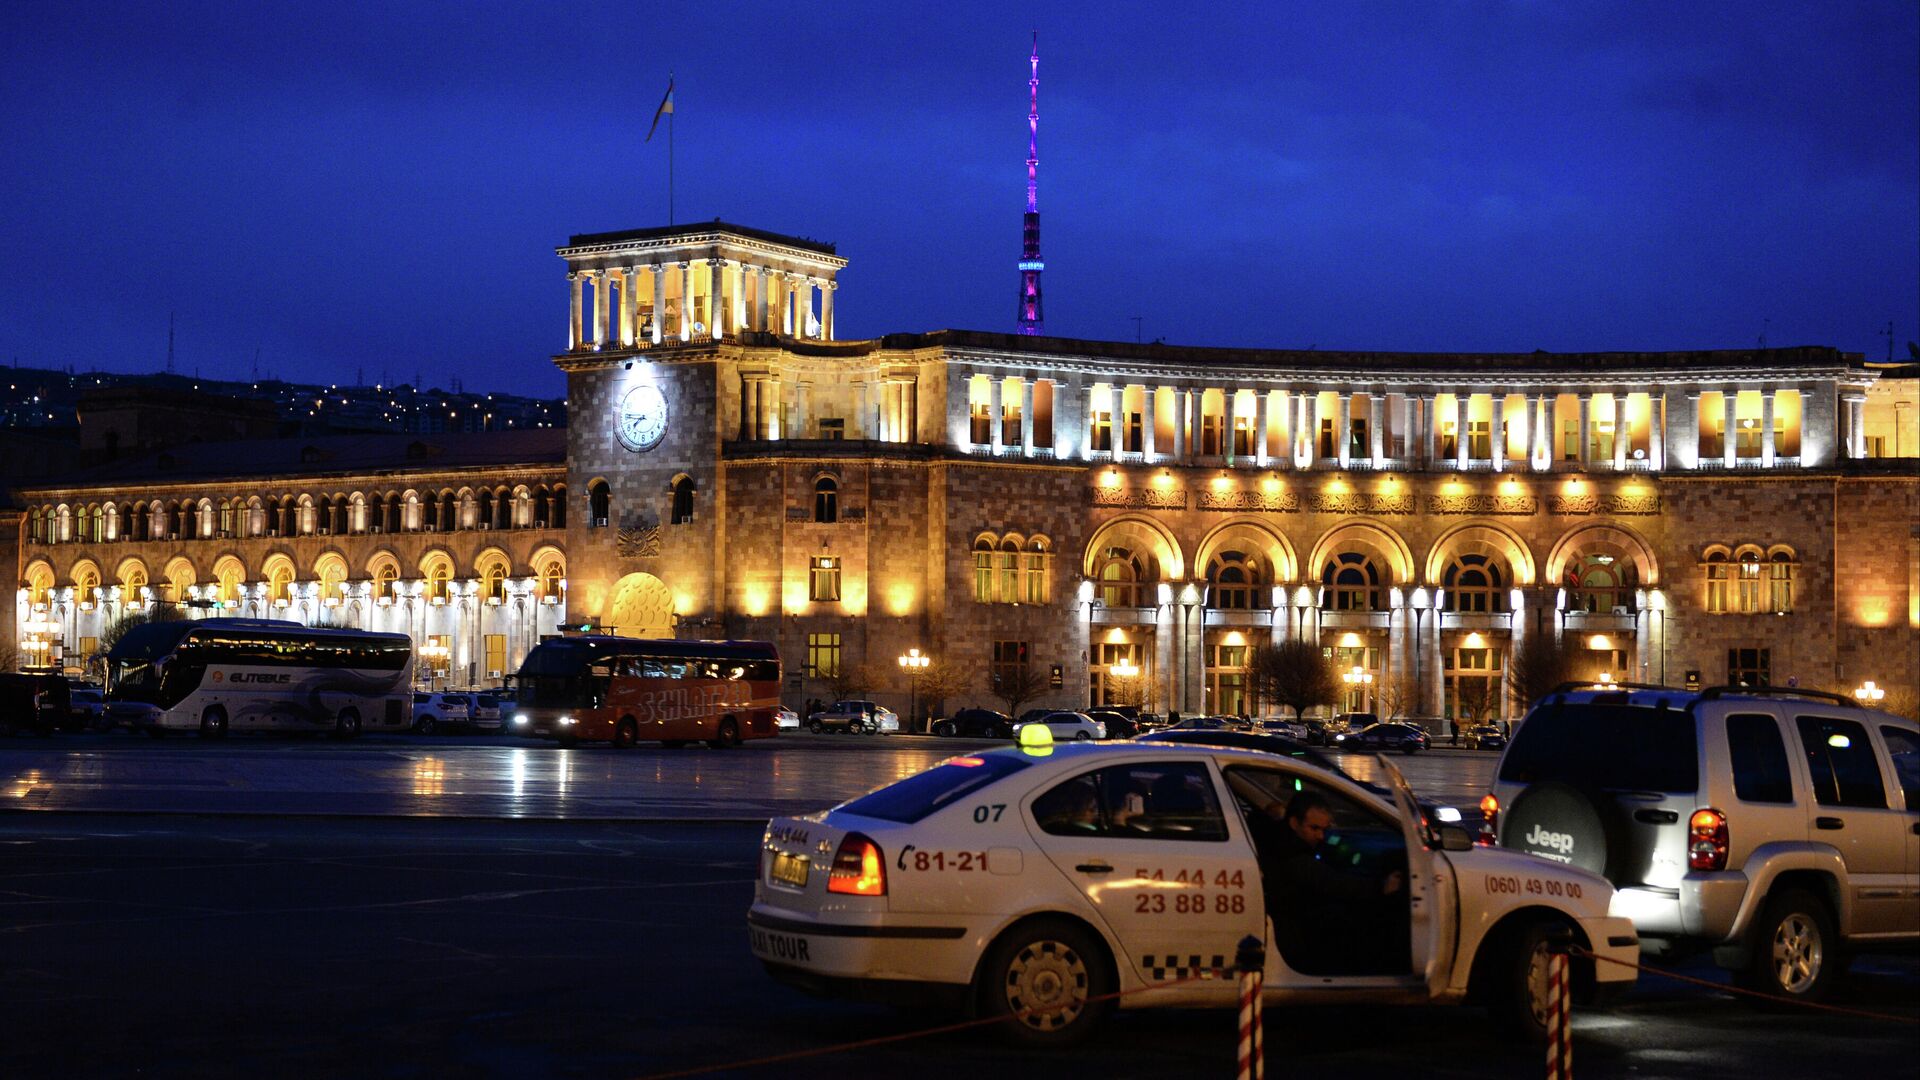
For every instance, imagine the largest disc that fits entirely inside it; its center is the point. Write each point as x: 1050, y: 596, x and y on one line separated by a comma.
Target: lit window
x: 823, y: 579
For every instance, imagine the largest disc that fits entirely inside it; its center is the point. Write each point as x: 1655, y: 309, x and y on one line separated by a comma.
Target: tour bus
x: 220, y: 675
x: 622, y: 690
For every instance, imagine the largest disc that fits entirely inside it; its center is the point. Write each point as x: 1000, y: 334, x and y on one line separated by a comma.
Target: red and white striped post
x: 1251, y: 963
x: 1559, y: 1011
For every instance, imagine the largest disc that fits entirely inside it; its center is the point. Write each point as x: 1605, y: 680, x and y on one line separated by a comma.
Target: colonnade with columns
x: 1696, y: 425
x: 653, y: 306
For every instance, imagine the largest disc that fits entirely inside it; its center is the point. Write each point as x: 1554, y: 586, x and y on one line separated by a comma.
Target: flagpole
x: 669, y: 168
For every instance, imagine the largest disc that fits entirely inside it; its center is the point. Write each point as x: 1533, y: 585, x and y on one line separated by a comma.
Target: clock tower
x: 667, y: 330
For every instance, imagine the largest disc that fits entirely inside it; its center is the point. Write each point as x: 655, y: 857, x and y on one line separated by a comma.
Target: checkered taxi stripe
x: 1170, y: 967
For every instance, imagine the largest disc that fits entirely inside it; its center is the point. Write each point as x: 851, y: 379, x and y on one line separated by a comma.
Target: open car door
x: 1430, y: 896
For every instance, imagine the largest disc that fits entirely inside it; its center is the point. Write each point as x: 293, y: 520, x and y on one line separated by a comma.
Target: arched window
x: 439, y: 578
x: 826, y: 500
x: 1233, y: 582
x: 448, y: 509
x: 1351, y: 582
x: 36, y: 527
x: 1007, y: 583
x: 333, y: 579
x: 682, y: 501
x: 540, y: 507
x: 96, y: 524
x: 131, y: 583
x: 1120, y: 575
x: 599, y: 504
x: 180, y: 579
x: 39, y: 583
x: 384, y: 581
x: 560, y: 506
x: 1748, y: 601
x: 1600, y: 582
x: 1780, y: 570
x: 280, y: 584
x: 983, y: 570
x: 495, y: 582
x: 1474, y: 583
x: 1039, y: 571
x: 1718, y: 574
x: 231, y: 576
x: 552, y: 576
x: 486, y: 510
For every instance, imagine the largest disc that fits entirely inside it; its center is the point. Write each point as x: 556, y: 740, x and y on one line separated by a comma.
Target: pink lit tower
x: 1030, y: 263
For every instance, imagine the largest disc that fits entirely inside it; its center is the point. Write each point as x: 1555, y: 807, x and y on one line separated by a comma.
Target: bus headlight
x: 568, y: 721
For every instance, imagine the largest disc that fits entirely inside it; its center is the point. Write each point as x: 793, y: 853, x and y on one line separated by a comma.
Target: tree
x: 1296, y: 675
x: 1539, y: 665
x: 1477, y: 699
x: 851, y: 682
x: 1017, y: 684
x: 158, y: 611
x: 1396, y: 697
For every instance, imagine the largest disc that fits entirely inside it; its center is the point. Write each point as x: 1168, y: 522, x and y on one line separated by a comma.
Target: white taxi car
x: 1031, y: 882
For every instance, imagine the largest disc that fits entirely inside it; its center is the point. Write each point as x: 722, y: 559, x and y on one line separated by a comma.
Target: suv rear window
x: 919, y: 795
x: 1622, y: 747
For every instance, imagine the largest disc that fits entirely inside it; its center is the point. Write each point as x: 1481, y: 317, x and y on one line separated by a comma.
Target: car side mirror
x: 1455, y: 838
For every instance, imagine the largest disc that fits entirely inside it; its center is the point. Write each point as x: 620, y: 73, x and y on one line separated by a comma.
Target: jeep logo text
x: 1558, y: 841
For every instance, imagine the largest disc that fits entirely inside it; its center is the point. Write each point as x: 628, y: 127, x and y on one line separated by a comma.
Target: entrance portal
x: 641, y: 607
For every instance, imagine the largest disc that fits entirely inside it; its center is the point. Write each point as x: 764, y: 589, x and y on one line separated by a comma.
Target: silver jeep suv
x: 1780, y: 828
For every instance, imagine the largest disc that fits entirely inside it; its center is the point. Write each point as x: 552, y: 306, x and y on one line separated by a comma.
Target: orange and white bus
x: 623, y: 690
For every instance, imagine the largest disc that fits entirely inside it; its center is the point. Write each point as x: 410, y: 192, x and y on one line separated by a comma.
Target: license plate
x: 790, y: 869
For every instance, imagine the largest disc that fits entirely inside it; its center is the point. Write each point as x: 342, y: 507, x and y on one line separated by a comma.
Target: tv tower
x: 1030, y: 262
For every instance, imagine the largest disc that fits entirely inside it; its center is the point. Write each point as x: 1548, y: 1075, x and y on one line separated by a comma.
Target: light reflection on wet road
x: 401, y: 776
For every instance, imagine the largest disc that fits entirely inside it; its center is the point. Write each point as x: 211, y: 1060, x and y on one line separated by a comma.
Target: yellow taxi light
x: 1033, y: 736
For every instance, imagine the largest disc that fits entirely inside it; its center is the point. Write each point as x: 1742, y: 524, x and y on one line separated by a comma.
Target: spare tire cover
x: 1559, y: 822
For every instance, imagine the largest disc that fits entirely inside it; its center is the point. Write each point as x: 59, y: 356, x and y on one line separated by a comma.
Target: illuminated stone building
x: 1156, y: 511
x: 1134, y: 517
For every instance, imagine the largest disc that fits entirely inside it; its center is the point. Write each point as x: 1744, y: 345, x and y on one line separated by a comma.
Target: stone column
x: 746, y: 407
x: 1767, y: 427
x: 1376, y: 431
x: 1195, y: 402
x: 1343, y: 428
x: 1309, y: 429
x: 758, y: 317
x: 659, y: 302
x: 1086, y: 431
x: 1729, y: 424
x: 574, y: 280
x: 1530, y: 432
x: 1586, y: 429
x: 1179, y: 425
x: 1260, y: 427
x: 716, y: 296
x: 1429, y: 429
x: 1856, y: 425
x: 627, y: 279
x: 1657, y: 431
x: 1497, y: 425
x: 1150, y: 406
x: 1693, y: 410
x: 803, y: 305
x: 600, y: 278
x: 827, y: 289
x: 686, y: 301
x: 1619, y: 430
x: 802, y: 409
x: 1460, y: 429
x: 1030, y: 390
x: 993, y: 413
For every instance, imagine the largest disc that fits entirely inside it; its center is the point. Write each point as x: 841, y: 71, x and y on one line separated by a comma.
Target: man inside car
x: 1324, y: 921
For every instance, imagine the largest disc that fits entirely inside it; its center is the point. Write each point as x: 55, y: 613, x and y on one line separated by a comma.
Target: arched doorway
x: 641, y: 607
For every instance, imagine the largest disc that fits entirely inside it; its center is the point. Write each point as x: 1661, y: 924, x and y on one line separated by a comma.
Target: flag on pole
x: 666, y: 106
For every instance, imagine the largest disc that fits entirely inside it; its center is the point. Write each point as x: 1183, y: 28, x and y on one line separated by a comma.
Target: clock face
x: 641, y: 421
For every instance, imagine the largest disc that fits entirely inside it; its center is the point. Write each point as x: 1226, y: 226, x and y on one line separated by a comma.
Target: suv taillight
x: 1707, y: 840
x: 858, y: 868
x: 1489, y: 819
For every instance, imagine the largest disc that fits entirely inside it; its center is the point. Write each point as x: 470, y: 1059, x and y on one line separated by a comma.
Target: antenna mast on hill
x: 169, y: 342
x: 1030, y: 262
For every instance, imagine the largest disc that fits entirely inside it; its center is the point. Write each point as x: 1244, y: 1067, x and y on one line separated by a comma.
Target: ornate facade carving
x: 1359, y: 502
x: 1646, y: 505
x: 1284, y: 502
x: 1490, y: 505
x: 1144, y: 499
x: 641, y: 543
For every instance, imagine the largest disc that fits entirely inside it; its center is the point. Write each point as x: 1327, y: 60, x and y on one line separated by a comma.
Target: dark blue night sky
x: 341, y: 186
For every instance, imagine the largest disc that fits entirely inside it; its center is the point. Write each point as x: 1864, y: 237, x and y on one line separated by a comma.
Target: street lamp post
x: 1358, y: 681
x: 1869, y: 695
x: 913, y: 663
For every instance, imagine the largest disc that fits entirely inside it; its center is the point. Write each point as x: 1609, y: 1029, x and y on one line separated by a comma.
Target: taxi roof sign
x: 1034, y: 736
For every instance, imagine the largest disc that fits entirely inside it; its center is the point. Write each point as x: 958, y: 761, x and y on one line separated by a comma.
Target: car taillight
x: 858, y: 868
x: 1707, y: 840
x: 1489, y: 818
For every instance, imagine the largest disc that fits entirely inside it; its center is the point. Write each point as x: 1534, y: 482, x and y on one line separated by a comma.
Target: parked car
x: 34, y: 704
x: 438, y: 711
x: 1484, y: 737
x: 975, y: 724
x: 1212, y: 723
x: 87, y: 706
x: 785, y: 719
x: 1283, y: 727
x: 1774, y: 827
x: 483, y: 710
x: 1436, y: 812
x: 855, y: 717
x: 1119, y: 725
x: 1068, y: 726
x: 1380, y: 737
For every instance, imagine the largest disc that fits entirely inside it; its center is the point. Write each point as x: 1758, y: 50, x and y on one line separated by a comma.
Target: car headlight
x: 568, y: 721
x: 520, y: 720
x: 1448, y: 814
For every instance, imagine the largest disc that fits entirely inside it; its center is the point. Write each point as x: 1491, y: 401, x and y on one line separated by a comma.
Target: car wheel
x: 1048, y: 979
x: 727, y: 737
x: 873, y: 727
x: 1795, y: 951
x: 814, y: 726
x: 423, y: 725
x: 627, y: 733
x: 1518, y: 994
x: 945, y: 729
x: 347, y: 724
x: 213, y: 723
x: 1081, y: 736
